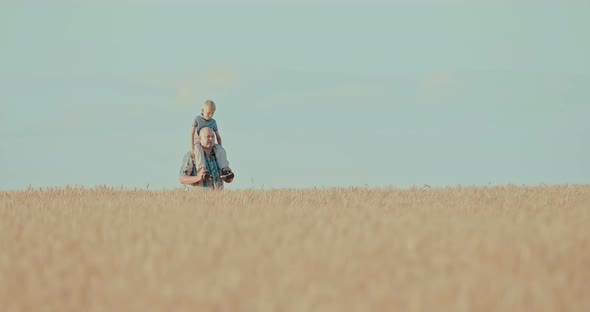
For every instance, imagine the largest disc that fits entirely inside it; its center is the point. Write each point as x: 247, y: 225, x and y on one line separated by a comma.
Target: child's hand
x: 193, y: 155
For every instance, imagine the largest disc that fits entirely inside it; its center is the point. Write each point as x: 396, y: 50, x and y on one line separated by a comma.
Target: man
x: 210, y: 175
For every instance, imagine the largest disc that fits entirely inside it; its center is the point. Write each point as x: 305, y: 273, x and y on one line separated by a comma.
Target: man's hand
x: 202, y: 174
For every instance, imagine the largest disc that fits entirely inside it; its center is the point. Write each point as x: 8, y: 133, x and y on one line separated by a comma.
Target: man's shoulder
x: 187, y: 164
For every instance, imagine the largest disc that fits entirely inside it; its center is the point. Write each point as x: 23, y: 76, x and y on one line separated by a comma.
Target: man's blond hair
x: 209, y: 104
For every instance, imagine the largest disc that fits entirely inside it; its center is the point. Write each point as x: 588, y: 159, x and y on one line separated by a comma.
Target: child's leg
x: 221, y: 157
x: 199, y: 157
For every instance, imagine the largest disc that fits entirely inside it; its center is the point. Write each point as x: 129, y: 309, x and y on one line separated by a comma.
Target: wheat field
x: 504, y: 248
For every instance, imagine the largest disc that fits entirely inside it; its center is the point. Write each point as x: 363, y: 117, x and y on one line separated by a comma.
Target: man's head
x: 207, y: 138
x: 208, y: 109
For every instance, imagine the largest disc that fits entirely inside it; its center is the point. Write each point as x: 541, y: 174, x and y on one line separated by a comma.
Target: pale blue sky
x: 394, y: 93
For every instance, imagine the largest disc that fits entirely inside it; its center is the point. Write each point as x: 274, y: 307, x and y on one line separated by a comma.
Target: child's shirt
x: 200, y: 122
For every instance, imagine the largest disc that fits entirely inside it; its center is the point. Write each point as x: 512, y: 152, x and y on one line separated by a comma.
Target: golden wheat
x: 456, y: 249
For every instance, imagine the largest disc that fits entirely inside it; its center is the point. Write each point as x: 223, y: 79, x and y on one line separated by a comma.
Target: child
x: 206, y: 120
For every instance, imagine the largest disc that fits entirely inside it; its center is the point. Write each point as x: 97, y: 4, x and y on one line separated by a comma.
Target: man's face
x: 207, y: 138
x: 208, y: 112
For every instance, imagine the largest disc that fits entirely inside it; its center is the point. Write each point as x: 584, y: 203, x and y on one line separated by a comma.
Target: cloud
x: 190, y: 84
x: 258, y: 2
x: 440, y: 87
x: 194, y: 3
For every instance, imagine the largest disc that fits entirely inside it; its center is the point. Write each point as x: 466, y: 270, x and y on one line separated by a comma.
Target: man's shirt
x: 188, y: 168
x: 213, y: 168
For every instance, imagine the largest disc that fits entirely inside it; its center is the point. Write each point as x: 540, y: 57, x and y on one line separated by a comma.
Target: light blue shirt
x: 188, y: 168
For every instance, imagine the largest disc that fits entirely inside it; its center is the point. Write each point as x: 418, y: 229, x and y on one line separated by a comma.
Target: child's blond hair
x: 209, y: 104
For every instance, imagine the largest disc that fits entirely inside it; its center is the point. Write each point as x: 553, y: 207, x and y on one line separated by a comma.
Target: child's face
x: 208, y: 112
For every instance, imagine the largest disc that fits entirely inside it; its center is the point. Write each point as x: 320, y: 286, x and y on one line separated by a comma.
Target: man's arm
x: 189, y: 180
x: 192, y: 180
